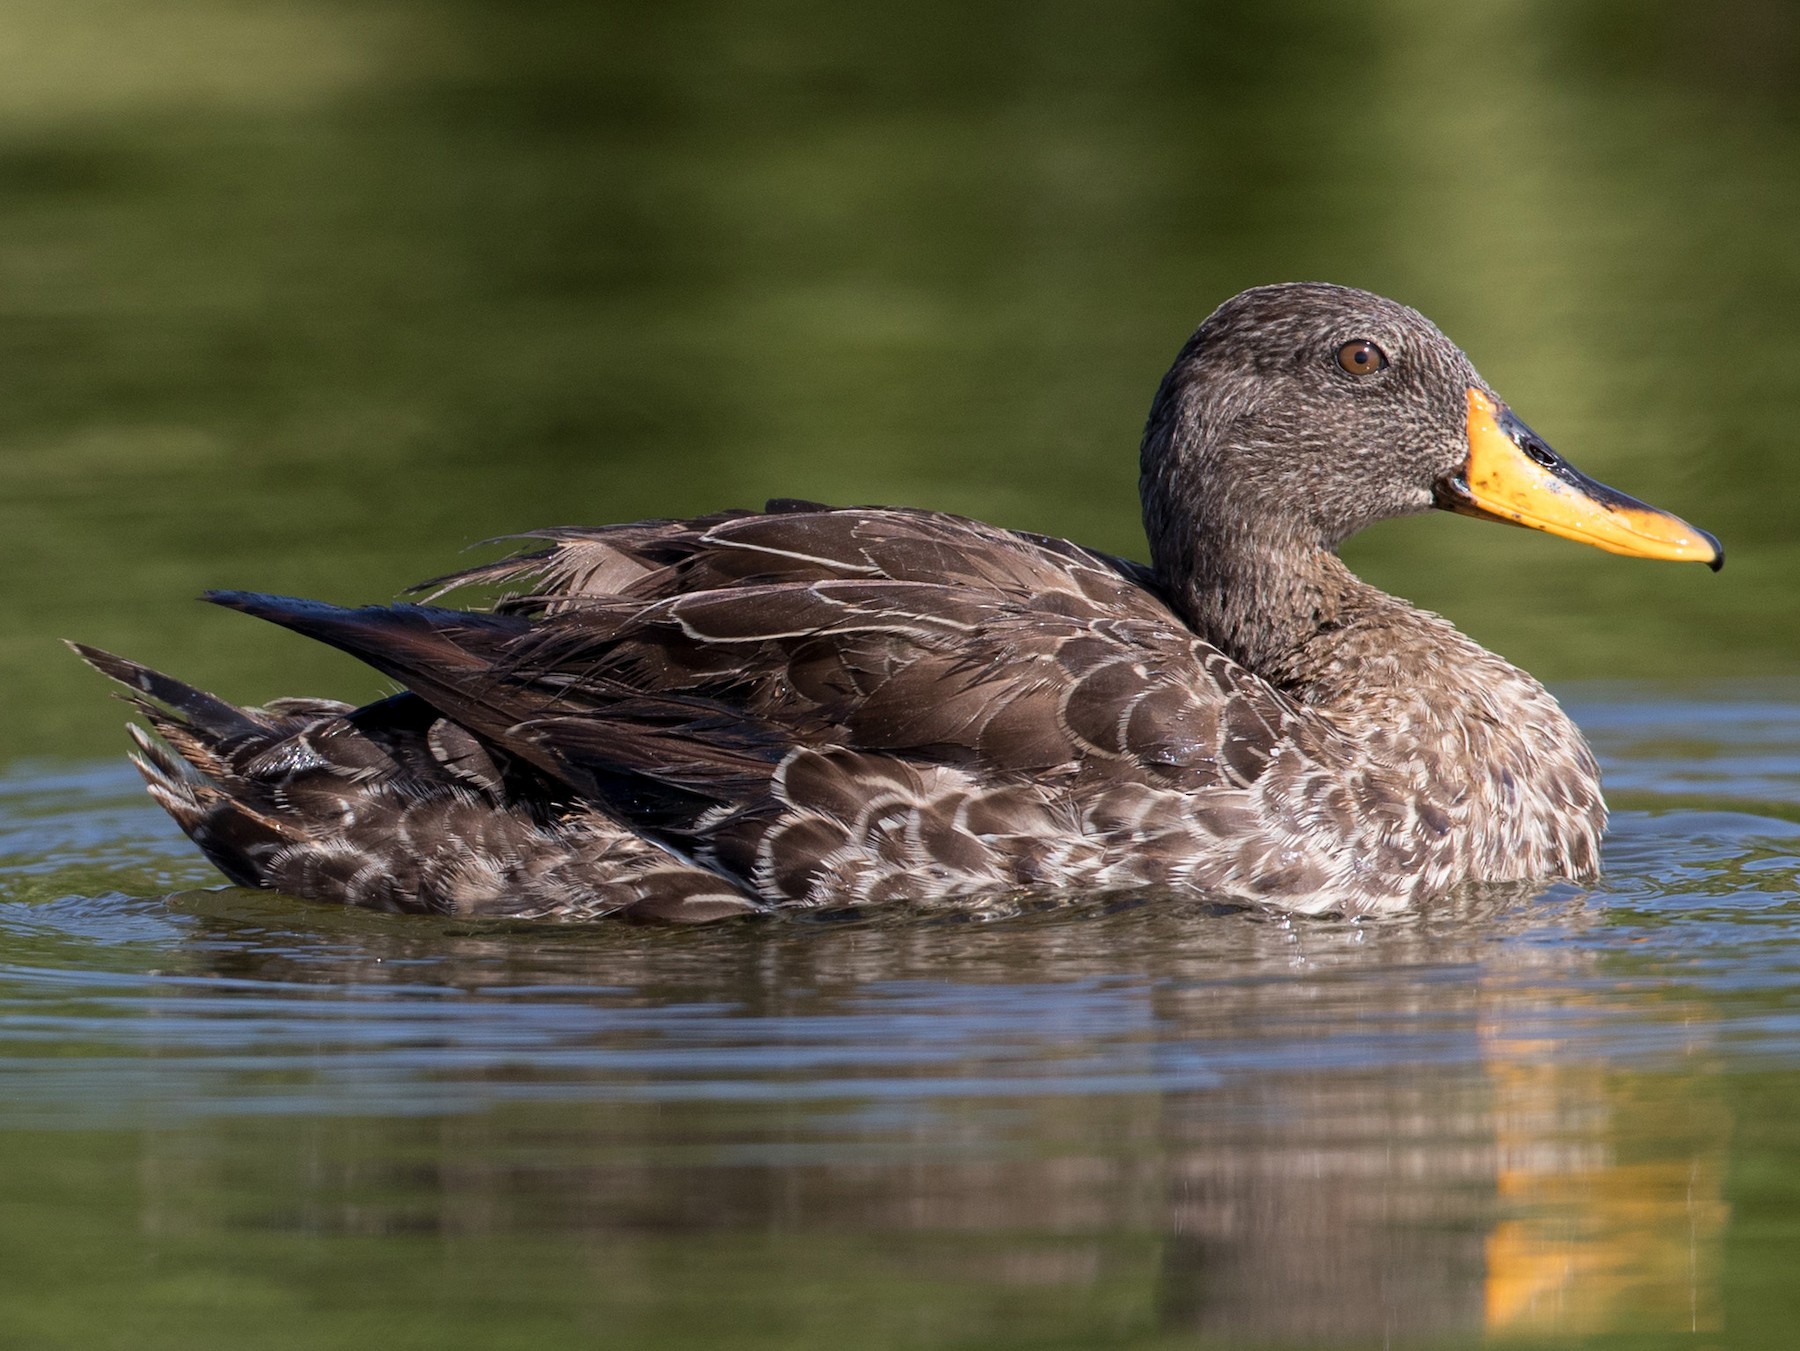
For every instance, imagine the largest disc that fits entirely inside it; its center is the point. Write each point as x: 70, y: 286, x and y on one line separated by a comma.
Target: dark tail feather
x: 208, y: 714
x: 202, y: 729
x: 445, y: 657
x: 390, y: 638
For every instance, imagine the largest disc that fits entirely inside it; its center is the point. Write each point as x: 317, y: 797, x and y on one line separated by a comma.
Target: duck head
x: 1298, y: 414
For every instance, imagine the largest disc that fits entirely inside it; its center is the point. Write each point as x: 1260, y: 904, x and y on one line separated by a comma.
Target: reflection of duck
x: 811, y: 706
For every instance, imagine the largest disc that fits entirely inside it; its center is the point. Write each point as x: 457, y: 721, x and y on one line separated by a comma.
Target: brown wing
x: 697, y: 654
x: 904, y: 631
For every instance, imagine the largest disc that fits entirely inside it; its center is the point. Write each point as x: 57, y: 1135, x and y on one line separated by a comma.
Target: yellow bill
x: 1512, y: 476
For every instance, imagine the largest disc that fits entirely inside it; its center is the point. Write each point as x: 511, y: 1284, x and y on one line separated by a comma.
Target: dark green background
x: 307, y: 296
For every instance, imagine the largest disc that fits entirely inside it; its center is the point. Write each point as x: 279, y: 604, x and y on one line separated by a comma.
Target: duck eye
x: 1362, y: 357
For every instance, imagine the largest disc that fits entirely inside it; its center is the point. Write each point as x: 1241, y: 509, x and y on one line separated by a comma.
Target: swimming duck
x: 816, y: 706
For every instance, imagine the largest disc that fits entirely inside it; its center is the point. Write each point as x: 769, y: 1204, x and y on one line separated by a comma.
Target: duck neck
x: 1275, y: 606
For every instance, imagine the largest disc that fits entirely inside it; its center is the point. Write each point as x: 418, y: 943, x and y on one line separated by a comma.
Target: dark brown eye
x: 1362, y: 357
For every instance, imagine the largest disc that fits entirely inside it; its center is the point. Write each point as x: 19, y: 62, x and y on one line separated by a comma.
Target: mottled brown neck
x: 1275, y: 606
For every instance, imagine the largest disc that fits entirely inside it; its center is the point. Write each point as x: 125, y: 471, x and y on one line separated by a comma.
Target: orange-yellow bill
x: 1513, y: 477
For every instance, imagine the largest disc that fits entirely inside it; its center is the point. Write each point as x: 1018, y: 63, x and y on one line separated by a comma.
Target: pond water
x: 307, y: 295
x: 1517, y: 1116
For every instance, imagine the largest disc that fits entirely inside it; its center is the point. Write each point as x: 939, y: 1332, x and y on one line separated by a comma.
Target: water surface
x: 1136, y: 1122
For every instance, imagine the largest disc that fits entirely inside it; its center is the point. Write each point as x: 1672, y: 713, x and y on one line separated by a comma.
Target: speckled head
x: 1298, y: 414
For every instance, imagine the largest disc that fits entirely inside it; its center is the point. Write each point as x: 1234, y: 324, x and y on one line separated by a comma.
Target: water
x: 1131, y: 1123
x: 303, y: 295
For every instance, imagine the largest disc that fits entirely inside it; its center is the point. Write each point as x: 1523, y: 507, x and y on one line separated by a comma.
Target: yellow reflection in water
x: 1613, y: 1186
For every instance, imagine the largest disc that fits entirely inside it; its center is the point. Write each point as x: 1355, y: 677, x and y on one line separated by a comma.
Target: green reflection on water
x: 312, y: 1133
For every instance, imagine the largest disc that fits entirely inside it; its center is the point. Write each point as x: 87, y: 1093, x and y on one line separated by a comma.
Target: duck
x: 814, y: 707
